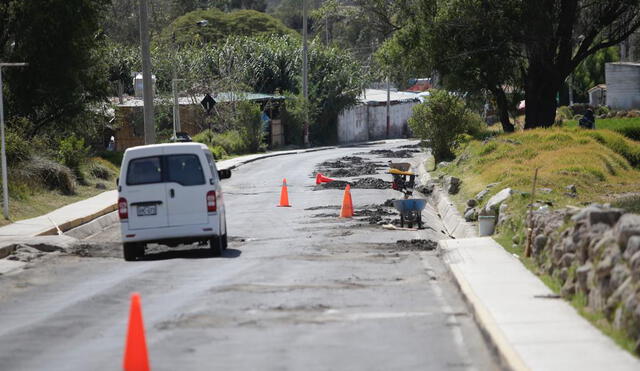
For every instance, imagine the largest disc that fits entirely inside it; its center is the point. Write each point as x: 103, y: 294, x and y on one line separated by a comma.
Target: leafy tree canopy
x: 60, y: 40
x: 190, y: 28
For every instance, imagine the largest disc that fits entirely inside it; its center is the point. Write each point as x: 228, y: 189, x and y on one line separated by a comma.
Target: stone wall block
x: 567, y: 260
x: 627, y: 226
x: 582, y: 274
x: 605, y: 216
x: 633, y: 246
x: 604, y: 267
x: 634, y: 264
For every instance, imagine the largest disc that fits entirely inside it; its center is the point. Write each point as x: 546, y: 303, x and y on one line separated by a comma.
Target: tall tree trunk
x: 503, y: 109
x: 540, y: 96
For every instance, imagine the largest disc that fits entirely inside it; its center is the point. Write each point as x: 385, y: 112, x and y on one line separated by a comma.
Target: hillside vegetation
x: 603, y: 165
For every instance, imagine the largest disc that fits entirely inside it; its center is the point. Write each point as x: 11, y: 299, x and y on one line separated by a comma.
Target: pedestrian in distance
x: 588, y: 121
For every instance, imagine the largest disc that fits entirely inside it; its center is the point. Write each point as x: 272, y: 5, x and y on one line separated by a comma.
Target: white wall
x: 623, y: 85
x: 369, y: 122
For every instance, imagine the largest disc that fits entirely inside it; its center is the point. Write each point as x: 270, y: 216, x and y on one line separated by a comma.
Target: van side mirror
x: 224, y: 174
x: 117, y: 181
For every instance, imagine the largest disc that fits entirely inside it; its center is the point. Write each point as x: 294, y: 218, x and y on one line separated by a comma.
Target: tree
x: 541, y: 40
x: 60, y: 40
x: 558, y: 35
x: 189, y: 29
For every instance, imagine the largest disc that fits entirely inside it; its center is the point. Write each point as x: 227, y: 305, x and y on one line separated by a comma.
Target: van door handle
x: 172, y: 193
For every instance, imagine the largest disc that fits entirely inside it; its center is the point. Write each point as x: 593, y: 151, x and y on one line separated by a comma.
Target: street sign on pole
x: 5, y: 180
x: 208, y: 102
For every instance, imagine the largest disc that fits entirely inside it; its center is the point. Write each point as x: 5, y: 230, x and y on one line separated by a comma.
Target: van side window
x: 212, y: 166
x: 144, y: 171
x: 185, y: 170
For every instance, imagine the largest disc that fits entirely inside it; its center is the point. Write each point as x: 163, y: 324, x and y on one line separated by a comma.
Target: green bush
x: 602, y: 110
x: 231, y: 141
x: 72, y: 153
x: 218, y: 152
x: 441, y: 120
x: 564, y: 113
x: 17, y: 148
x: 248, y: 120
x: 102, y: 169
x: 114, y: 157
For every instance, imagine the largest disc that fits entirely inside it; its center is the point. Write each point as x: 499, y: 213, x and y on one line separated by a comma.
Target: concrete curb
x: 486, y: 323
x: 79, y: 221
x: 458, y: 228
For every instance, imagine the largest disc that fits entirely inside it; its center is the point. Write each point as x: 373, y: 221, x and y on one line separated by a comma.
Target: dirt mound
x: 387, y: 153
x: 349, y: 166
x: 417, y: 245
x: 363, y: 183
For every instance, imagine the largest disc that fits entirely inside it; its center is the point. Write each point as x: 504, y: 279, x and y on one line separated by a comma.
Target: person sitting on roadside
x: 588, y: 121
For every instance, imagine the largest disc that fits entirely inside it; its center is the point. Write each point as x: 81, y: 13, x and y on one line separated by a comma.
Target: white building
x: 623, y: 85
x: 368, y: 120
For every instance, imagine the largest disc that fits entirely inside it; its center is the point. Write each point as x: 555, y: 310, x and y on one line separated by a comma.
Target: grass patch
x: 629, y: 127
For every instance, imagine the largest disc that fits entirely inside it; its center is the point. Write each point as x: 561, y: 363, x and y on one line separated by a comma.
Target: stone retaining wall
x: 594, y: 252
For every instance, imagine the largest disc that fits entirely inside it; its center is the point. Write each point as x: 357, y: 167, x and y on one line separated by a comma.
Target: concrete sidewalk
x: 531, y: 328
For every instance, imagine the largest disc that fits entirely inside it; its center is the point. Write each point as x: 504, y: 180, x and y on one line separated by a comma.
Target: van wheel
x: 132, y: 250
x: 224, y: 236
x: 215, y: 244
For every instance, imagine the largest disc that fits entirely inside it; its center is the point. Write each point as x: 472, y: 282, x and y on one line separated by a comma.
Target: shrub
x: 249, y: 121
x: 218, y: 152
x: 73, y: 153
x: 230, y: 141
x: 39, y: 171
x: 101, y: 168
x: 602, y: 110
x: 441, y: 120
x: 17, y: 148
x: 114, y: 157
x: 564, y: 112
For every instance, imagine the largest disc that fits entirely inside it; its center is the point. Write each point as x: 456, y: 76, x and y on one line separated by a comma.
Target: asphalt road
x: 298, y: 289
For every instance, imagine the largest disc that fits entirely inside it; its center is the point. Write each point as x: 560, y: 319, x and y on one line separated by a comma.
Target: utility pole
x: 176, y: 107
x: 388, y: 107
x: 305, y: 72
x: 5, y: 180
x: 147, y: 84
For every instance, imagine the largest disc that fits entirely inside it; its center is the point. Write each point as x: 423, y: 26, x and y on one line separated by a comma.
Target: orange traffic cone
x: 135, y: 352
x: 322, y: 179
x: 284, y: 195
x: 347, y: 204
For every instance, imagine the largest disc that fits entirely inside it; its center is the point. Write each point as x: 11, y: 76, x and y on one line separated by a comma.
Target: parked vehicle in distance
x: 171, y: 194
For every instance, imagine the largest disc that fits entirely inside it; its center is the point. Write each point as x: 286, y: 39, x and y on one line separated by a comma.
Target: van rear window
x: 144, y: 171
x: 185, y: 170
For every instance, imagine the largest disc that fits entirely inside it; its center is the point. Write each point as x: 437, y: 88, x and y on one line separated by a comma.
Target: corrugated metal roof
x: 375, y: 96
x: 186, y: 101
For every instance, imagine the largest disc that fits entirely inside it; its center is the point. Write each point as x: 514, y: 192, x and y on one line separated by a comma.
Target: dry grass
x: 564, y: 157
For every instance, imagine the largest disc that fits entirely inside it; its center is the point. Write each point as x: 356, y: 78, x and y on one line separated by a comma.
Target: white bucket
x: 486, y: 225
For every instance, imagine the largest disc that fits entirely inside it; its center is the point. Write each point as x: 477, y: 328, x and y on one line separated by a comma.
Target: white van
x: 171, y: 194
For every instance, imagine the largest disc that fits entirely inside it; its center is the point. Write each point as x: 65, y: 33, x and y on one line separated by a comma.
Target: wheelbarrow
x: 410, y: 211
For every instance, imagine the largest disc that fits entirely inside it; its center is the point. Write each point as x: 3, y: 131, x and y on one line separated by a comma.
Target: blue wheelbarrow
x: 410, y: 211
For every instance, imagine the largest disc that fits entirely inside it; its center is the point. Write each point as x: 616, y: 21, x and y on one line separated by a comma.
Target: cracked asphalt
x: 298, y: 289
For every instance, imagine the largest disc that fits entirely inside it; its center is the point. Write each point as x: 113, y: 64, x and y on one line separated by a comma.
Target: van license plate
x: 146, y: 210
